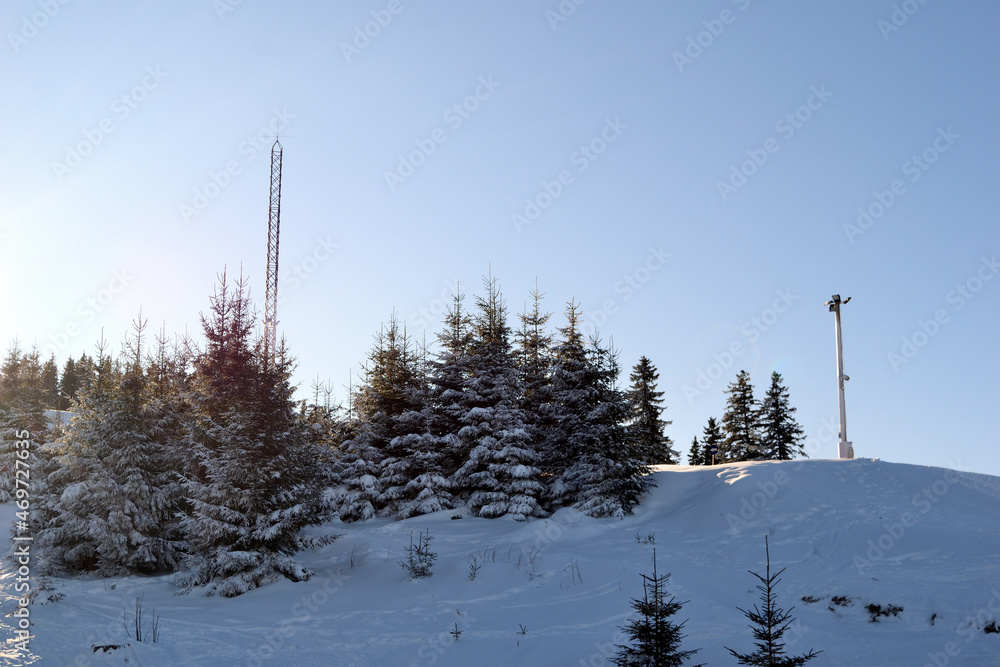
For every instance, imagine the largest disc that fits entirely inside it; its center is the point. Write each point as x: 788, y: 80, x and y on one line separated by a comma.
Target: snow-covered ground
x: 554, y: 592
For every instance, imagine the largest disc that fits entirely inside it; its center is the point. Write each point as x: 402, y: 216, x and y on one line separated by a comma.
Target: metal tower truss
x: 273, y: 225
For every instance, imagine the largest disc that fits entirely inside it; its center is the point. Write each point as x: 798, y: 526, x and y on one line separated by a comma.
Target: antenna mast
x: 273, y: 225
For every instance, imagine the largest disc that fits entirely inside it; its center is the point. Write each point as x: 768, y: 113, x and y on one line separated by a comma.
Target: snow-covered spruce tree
x: 611, y: 474
x: 255, y: 478
x: 22, y: 408
x: 739, y: 422
x: 712, y: 435
x: 646, y: 407
x: 656, y: 639
x: 781, y: 436
x: 573, y: 395
x: 500, y: 476
x: 534, y: 363
x: 435, y: 450
x: 110, y: 506
x: 769, y: 624
x: 373, y: 465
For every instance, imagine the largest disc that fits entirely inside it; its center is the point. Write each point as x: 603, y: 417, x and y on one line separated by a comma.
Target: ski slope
x: 555, y: 591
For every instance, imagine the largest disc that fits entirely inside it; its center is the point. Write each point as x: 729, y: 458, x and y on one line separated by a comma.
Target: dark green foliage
x: 254, y: 478
x: 646, y: 408
x: 781, y: 436
x: 656, y: 639
x: 711, y: 435
x: 695, y: 456
x: 739, y: 422
x: 769, y: 624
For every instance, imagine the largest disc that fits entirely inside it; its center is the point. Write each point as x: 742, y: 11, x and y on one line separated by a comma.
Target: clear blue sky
x: 695, y: 166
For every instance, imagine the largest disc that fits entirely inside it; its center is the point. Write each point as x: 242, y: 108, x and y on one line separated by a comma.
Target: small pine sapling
x: 419, y: 557
x: 769, y: 625
x: 656, y: 639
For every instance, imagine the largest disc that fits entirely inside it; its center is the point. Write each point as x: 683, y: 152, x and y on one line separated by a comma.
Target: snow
x: 864, y: 531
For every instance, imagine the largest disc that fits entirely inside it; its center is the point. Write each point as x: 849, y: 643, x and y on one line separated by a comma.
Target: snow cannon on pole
x: 845, y: 449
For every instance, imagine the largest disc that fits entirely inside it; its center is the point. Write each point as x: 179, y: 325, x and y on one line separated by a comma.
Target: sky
x: 700, y: 177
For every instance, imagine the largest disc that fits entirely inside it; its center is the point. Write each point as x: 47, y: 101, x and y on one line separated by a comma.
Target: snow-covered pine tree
x: 656, y: 639
x: 769, y: 624
x: 500, y: 476
x: 712, y: 435
x: 781, y: 436
x: 435, y: 450
x: 22, y: 408
x: 534, y: 364
x: 739, y: 422
x: 646, y: 407
x: 256, y: 479
x: 611, y: 473
x: 373, y: 465
x: 572, y: 397
x: 110, y: 506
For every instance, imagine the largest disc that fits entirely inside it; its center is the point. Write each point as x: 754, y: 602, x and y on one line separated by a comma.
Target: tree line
x: 194, y: 458
x: 751, y: 430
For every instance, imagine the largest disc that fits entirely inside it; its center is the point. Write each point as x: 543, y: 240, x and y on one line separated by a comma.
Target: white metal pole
x: 845, y: 450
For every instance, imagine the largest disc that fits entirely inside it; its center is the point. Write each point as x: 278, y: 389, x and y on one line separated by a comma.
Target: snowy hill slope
x: 851, y: 533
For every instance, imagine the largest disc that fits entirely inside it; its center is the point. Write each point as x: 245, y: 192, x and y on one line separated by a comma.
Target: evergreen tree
x: 500, y: 475
x: 769, y: 624
x: 69, y: 383
x: 22, y: 409
x: 49, y: 383
x: 255, y: 479
x: 712, y: 435
x: 781, y: 436
x: 739, y: 422
x: 646, y: 404
x: 656, y: 639
x: 373, y: 464
x: 435, y: 450
x: 534, y: 363
x: 111, y: 504
x: 695, y: 456
x: 571, y: 437
x: 611, y: 475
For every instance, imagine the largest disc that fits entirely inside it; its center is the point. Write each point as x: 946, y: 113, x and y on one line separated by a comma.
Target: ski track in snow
x: 567, y: 580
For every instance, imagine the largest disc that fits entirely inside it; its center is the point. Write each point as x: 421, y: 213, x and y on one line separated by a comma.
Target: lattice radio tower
x: 273, y: 225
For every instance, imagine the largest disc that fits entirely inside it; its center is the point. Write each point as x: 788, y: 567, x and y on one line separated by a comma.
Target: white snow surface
x: 921, y: 538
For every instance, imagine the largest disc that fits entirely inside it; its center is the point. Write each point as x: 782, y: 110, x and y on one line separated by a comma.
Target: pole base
x: 846, y: 450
